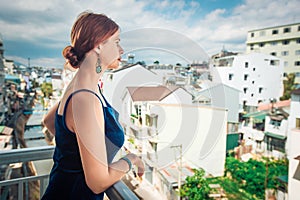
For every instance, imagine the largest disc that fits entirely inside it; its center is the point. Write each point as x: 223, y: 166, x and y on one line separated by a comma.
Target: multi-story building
x: 281, y: 41
x: 2, y: 76
x: 294, y: 148
x: 258, y: 76
x: 116, y: 81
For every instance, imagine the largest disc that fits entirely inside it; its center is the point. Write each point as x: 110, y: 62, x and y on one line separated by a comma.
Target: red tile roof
x: 150, y: 93
x: 278, y: 104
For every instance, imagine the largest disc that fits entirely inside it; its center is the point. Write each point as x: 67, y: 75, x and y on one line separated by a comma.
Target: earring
x: 98, y: 65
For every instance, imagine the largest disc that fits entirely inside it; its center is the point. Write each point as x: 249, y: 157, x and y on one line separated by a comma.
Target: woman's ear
x: 97, y: 49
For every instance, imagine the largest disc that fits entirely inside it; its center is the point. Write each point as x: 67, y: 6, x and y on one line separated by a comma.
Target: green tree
x: 47, y: 89
x: 276, y: 168
x: 196, y: 186
x: 252, y: 175
x: 288, y: 86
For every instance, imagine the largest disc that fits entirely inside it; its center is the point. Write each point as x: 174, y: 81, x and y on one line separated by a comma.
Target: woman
x: 86, y: 127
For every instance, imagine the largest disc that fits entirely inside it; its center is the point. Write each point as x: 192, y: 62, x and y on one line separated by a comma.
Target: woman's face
x: 111, y: 51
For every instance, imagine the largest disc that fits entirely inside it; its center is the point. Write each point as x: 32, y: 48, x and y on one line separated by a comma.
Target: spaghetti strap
x: 103, y: 97
x: 71, y: 95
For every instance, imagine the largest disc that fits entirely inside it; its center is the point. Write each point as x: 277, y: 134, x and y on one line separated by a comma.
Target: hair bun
x: 72, y: 58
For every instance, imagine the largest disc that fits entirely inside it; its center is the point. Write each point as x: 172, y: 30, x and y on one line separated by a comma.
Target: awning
x: 13, y: 79
x: 273, y: 135
x: 256, y: 115
x: 283, y: 179
x: 277, y: 117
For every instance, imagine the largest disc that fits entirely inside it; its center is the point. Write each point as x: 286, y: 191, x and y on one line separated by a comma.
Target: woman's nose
x: 121, y: 50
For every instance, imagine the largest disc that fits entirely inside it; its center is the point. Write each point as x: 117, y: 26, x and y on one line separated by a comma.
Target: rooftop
x: 150, y: 93
x: 279, y: 26
x: 279, y: 104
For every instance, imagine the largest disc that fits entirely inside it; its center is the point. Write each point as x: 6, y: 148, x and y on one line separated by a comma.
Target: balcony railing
x: 119, y: 191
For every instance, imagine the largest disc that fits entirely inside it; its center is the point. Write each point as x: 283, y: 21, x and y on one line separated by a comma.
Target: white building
x: 294, y: 147
x: 276, y: 130
x: 222, y: 96
x: 258, y: 76
x: 161, y: 119
x: 200, y: 130
x: 136, y: 100
x: 8, y: 66
x: 115, y: 82
x: 281, y: 41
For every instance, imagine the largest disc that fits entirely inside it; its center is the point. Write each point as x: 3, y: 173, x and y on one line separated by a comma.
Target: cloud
x: 47, y: 24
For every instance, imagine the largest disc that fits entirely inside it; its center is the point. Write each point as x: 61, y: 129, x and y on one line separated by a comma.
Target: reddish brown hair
x: 89, y: 30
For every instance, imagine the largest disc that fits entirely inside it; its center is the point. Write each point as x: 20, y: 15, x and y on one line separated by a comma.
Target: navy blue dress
x: 67, y: 178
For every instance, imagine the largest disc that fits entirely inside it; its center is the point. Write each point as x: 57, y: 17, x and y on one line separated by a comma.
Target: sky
x: 170, y: 31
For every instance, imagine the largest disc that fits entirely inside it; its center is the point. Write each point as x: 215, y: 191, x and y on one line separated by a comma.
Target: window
x: 246, y: 77
x: 275, y: 123
x: 261, y: 44
x: 298, y: 28
x: 287, y: 30
x: 252, y: 95
x: 273, y: 53
x: 260, y: 89
x: 284, y: 53
x: 297, y: 63
x: 274, y: 62
x: 244, y: 104
x: 275, y: 144
x: 297, y: 122
x: 110, y: 77
x: 246, y: 64
x: 262, y: 33
x: 253, y: 69
x: 252, y: 34
x: 298, y: 41
x: 251, y: 46
x: 285, y: 42
x: 230, y: 77
x: 245, y: 90
x: 274, y: 43
x: 274, y: 32
x: 297, y: 52
x: 253, y: 82
x: 286, y: 63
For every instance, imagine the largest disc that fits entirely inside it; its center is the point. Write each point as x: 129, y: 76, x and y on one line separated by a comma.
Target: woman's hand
x: 137, y: 161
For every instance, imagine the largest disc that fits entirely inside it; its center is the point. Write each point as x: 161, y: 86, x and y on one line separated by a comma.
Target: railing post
x: 20, y: 190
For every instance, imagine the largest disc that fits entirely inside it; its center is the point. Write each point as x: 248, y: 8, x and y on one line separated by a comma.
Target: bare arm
x: 49, y: 118
x: 88, y: 125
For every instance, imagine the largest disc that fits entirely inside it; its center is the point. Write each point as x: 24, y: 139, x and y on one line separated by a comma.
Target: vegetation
x: 288, y: 86
x: 232, y: 188
x: 242, y: 180
x: 255, y: 176
x: 47, y: 89
x: 47, y: 92
x: 196, y: 186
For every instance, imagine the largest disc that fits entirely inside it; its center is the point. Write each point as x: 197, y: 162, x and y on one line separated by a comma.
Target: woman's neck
x: 87, y: 77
